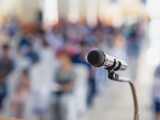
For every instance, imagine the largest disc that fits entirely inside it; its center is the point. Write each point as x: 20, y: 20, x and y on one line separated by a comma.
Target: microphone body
x: 98, y: 58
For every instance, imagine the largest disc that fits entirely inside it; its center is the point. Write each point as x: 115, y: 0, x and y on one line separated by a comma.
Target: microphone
x: 98, y: 58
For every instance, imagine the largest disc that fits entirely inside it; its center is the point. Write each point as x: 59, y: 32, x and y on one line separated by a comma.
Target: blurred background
x: 44, y: 73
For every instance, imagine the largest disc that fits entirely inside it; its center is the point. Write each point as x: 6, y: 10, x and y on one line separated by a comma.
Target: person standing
x: 156, y: 93
x: 6, y: 67
x: 80, y: 59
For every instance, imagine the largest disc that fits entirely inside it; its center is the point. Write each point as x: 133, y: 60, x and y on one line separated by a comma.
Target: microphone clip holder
x: 116, y: 77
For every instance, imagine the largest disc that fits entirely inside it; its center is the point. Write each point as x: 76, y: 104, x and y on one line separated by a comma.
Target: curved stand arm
x: 116, y: 77
x: 136, y: 114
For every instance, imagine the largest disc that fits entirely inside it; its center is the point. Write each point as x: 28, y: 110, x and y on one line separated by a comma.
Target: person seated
x: 20, y: 96
x: 65, y: 77
x: 6, y: 67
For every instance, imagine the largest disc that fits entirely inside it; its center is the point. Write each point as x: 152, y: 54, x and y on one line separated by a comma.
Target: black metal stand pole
x: 114, y: 76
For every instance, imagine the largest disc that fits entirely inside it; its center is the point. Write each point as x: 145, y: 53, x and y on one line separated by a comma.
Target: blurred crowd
x: 44, y: 72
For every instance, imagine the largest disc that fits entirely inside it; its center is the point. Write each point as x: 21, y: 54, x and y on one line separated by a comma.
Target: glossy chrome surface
x: 110, y: 61
x: 123, y: 79
x: 128, y: 80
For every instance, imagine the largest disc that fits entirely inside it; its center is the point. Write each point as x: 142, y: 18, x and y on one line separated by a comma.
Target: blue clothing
x: 77, y: 59
x: 91, y: 83
x: 5, y: 68
x: 157, y: 106
x: 33, y: 56
x: 3, y: 93
x: 24, y: 42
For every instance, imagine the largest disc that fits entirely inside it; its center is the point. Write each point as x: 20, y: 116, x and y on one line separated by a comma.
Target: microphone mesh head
x: 96, y: 58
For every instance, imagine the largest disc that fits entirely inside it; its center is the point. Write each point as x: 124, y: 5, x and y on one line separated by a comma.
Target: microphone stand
x: 114, y: 76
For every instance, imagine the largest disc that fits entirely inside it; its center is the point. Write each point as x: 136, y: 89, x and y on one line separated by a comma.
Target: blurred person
x: 20, y: 96
x: 156, y: 93
x: 42, y: 76
x: 134, y: 40
x: 119, y: 45
x: 37, y: 42
x: 61, y: 100
x: 6, y: 67
x: 47, y: 54
x: 74, y: 34
x: 81, y: 56
x: 27, y: 49
x: 80, y: 91
x: 81, y: 59
x: 13, y: 26
x: 24, y: 41
x: 105, y: 43
x: 55, y: 38
x: 133, y: 49
x: 32, y: 55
